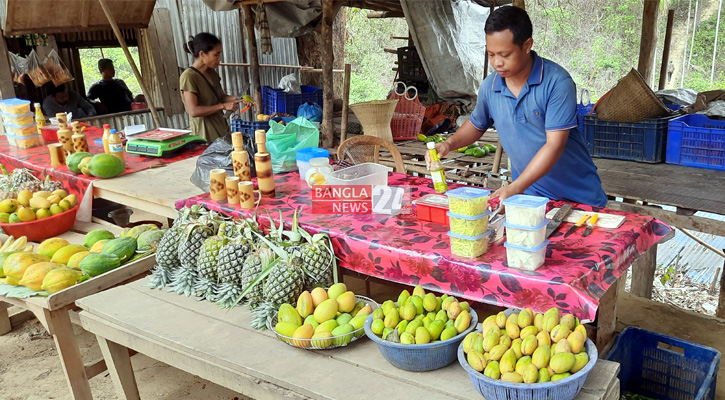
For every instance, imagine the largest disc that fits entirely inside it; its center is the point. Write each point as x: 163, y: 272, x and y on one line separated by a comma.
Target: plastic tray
x: 420, y: 357
x: 469, y: 226
x: 469, y: 201
x: 469, y: 246
x: 526, y: 236
x: 664, y: 367
x: 537, y: 254
x: 525, y: 210
x: 17, y: 119
x: 563, y: 389
x: 15, y: 106
x: 695, y: 140
x: 638, y: 141
x: 360, y: 174
x: 432, y: 208
x: 277, y: 100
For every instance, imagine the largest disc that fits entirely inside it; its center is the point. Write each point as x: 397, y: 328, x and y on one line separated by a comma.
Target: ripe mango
x: 412, y: 326
x: 581, y: 329
x: 543, y: 375
x: 512, y: 330
x: 529, y: 345
x: 576, y: 342
x: 528, y: 331
x: 447, y: 302
x: 524, y: 319
x: 556, y: 377
x: 422, y: 336
x: 327, y: 311
x: 336, y: 290
x: 580, y: 360
x: 305, y: 306
x: 492, y: 370
x: 407, y: 338
x: 530, y: 373
x: 305, y: 331
x: 359, y: 305
x: 287, y: 313
x: 477, y: 344
x: 59, y: 279
x: 513, y: 318
x: 465, y: 306
x: 342, y: 335
x: 507, y: 362
x: 505, y: 340
x: 541, y: 356
x: 468, y: 341
x: 463, y: 321
x: 516, y: 347
x: 539, y: 321
x: 559, y: 332
x: 48, y: 247
x: 426, y: 322
x: 448, y: 333
x: 562, y: 346
x: 378, y: 314
x: 501, y: 320
x: 286, y: 328
x: 403, y: 297
x: 476, y: 361
x: 568, y: 321
x: 419, y: 291
x: 436, y: 329
x: 562, y: 362
x: 343, y: 319
x: 429, y: 302
x: 387, y: 331
x: 322, y: 340
x: 346, y: 302
x: 364, y: 311
x: 318, y: 296
x: 407, y: 312
x: 311, y: 320
x: 327, y: 326
x: 512, y: 377
x: 442, y: 315
x: 543, y: 338
x: 377, y: 326
x: 521, y: 363
x: 418, y: 302
x: 489, y: 341
x: 402, y: 326
x: 34, y: 274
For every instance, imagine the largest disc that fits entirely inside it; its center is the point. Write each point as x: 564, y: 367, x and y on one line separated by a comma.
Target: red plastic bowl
x: 41, y: 229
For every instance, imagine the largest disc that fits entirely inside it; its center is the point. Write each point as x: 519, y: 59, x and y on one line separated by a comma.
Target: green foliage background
x: 89, y: 61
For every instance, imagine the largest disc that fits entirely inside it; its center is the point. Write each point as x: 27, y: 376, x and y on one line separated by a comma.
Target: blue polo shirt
x: 546, y: 103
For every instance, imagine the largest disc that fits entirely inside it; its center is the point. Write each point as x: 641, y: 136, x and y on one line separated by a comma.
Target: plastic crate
x: 410, y: 67
x: 581, y: 112
x: 694, y: 140
x: 664, y: 367
x: 277, y: 100
x: 643, y: 141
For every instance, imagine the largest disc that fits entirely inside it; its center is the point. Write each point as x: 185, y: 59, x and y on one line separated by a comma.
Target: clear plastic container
x: 525, y: 210
x: 24, y: 142
x: 15, y: 106
x: 319, y: 172
x: 19, y: 120
x: 468, y: 226
x: 305, y: 155
x: 468, y: 246
x: 24, y: 130
x: 527, y: 236
x: 468, y: 201
x: 361, y: 174
x: 527, y: 258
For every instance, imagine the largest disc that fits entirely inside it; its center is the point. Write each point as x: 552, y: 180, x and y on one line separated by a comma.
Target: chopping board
x: 606, y: 221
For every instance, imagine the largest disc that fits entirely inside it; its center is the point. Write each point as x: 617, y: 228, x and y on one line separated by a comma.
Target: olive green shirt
x: 212, y: 126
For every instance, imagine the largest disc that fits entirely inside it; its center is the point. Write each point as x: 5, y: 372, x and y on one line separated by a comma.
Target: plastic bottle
x: 436, y: 169
x: 115, y: 145
x: 39, y: 118
x: 106, y: 135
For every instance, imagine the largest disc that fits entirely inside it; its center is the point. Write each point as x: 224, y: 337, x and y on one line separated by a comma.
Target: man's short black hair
x: 57, y: 89
x: 512, y: 18
x: 104, y: 63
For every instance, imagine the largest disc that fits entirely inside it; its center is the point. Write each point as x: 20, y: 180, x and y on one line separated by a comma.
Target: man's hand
x: 504, y: 192
x: 442, y: 149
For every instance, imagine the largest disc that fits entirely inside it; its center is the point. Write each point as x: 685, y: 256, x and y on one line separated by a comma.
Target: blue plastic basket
x: 277, y: 100
x: 643, y: 141
x: 563, y: 389
x: 664, y: 367
x: 695, y: 140
x: 420, y: 357
x: 581, y: 112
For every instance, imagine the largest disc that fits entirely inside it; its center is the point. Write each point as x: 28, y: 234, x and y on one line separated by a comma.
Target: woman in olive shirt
x: 201, y: 88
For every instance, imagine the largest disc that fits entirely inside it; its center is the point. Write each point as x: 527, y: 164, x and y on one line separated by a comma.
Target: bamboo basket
x: 375, y: 117
x: 631, y: 100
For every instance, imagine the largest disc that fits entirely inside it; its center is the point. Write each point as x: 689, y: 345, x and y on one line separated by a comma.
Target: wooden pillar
x: 253, y: 57
x: 520, y: 4
x: 7, y: 90
x: 666, y: 50
x: 345, y: 103
x: 643, y: 273
x: 648, y: 40
x: 721, y: 303
x: 327, y: 129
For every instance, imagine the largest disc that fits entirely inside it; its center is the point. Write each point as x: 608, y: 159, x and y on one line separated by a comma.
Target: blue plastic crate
x: 248, y: 127
x: 632, y: 141
x: 581, y: 112
x: 694, y: 140
x: 664, y: 367
x: 277, y: 100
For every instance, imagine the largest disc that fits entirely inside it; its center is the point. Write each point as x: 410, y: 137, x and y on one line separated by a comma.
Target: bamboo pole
x: 702, y: 242
x: 648, y: 38
x: 328, y: 128
x: 714, y: 51
x: 694, y: 30
x: 345, y: 103
x: 666, y: 50
x: 122, y: 42
x: 684, y: 51
x: 253, y: 56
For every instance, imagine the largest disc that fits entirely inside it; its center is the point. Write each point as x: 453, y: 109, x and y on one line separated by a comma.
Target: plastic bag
x: 56, y: 69
x: 36, y: 71
x: 18, y: 68
x: 219, y: 155
x: 311, y: 111
x: 290, y: 84
x: 283, y: 141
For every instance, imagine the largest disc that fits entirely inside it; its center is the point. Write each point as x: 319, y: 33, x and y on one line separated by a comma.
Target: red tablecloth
x: 402, y: 249
x: 37, y: 159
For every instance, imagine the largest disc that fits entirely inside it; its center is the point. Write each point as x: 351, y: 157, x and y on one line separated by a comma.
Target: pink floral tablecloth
x: 405, y: 250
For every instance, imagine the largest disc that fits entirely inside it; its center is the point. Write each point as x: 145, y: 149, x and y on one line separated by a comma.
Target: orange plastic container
x: 41, y: 229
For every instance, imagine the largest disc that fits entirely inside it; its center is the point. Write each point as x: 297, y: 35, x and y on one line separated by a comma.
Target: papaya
x: 98, y: 246
x: 74, y: 159
x: 83, y: 166
x: 48, y: 247
x: 124, y: 248
x: 3, y: 257
x: 59, y: 279
x: 150, y: 240
x: 16, y: 264
x: 95, y: 235
x: 63, y: 255
x: 136, y: 231
x: 106, y: 166
x: 74, y: 261
x: 97, y: 264
x: 34, y: 275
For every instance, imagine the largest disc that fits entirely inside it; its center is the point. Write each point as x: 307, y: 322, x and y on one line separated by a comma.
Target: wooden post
x: 721, y: 302
x: 714, y: 50
x: 648, y: 40
x: 122, y: 42
x: 520, y: 4
x: 684, y: 50
x: 643, y: 273
x: 607, y: 318
x: 497, y: 157
x: 666, y: 50
x: 253, y: 57
x: 7, y: 90
x: 327, y: 131
x: 345, y: 103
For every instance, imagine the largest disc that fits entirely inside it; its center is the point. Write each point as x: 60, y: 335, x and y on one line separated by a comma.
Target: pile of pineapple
x: 230, y: 261
x: 25, y: 198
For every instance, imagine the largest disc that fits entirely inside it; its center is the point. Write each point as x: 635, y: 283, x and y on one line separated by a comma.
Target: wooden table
x: 220, y: 346
x: 153, y: 190
x: 53, y: 312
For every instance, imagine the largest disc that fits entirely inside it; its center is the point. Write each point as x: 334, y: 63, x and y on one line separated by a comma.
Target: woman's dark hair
x: 512, y: 18
x: 203, y: 41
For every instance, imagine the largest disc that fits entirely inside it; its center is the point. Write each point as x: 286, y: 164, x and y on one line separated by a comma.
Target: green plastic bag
x: 283, y: 141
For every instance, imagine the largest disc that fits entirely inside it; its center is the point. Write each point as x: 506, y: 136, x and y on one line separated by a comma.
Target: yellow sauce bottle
x: 39, y: 118
x: 436, y: 169
x: 106, y: 135
x: 115, y: 146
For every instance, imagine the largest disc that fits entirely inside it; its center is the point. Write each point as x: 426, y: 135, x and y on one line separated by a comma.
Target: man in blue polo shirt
x: 532, y: 102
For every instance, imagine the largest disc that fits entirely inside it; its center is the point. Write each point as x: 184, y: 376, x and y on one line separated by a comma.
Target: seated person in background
x: 64, y: 100
x: 113, y: 93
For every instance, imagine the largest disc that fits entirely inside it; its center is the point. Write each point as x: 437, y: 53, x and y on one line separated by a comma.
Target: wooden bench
x: 221, y: 346
x: 54, y: 313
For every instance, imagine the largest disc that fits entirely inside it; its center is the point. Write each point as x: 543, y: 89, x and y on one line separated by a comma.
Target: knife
x: 579, y: 223
x: 558, y: 218
x: 590, y: 225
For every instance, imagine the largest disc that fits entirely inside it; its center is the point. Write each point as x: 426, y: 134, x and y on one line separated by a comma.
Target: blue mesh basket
x: 420, y: 357
x: 563, y: 389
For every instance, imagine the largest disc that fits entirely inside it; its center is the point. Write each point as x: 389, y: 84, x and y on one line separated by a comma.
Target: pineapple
x: 160, y: 277
x: 20, y: 176
x: 166, y: 253
x: 182, y: 281
x: 230, y: 263
x: 318, y: 259
x: 51, y: 185
x: 285, y: 281
x: 33, y: 186
x: 253, y: 265
x: 206, y: 265
x: 191, y: 243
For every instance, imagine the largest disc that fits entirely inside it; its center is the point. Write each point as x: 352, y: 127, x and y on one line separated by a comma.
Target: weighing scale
x: 161, y: 142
